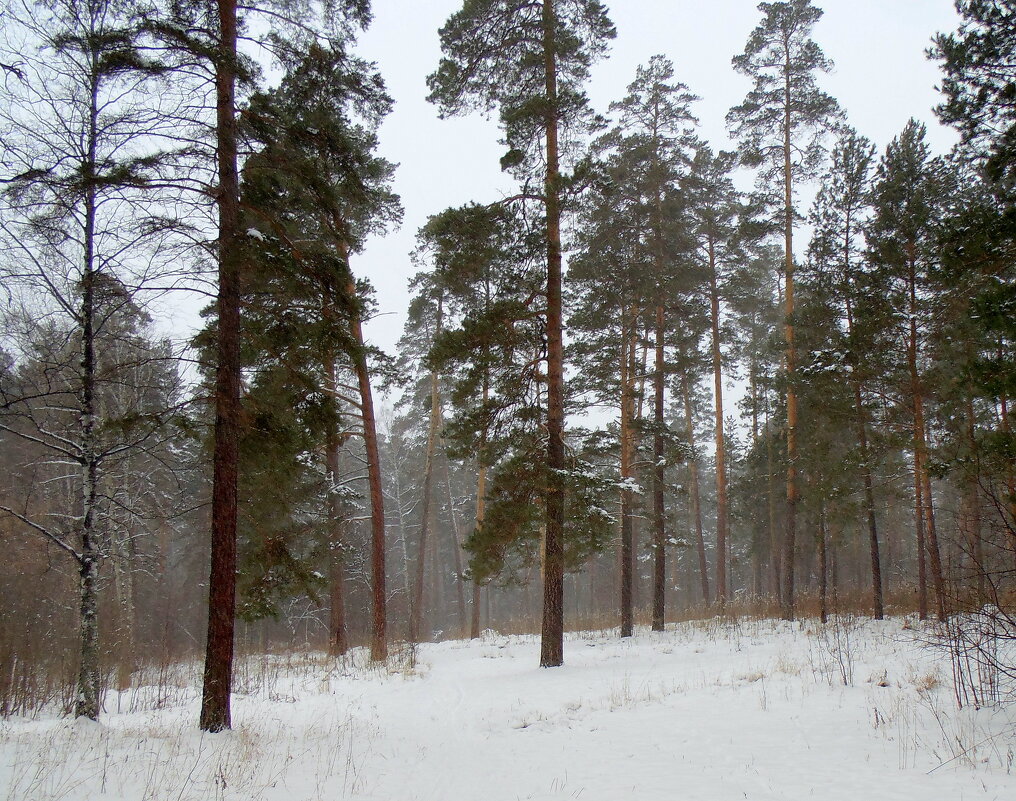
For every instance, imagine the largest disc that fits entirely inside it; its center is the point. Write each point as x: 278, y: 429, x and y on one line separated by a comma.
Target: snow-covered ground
x: 715, y: 711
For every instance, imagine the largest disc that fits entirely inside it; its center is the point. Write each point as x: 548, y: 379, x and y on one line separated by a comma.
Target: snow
x: 709, y: 711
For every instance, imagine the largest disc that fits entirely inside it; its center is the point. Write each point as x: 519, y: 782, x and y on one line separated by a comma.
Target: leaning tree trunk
x: 217, y: 683
x: 552, y: 634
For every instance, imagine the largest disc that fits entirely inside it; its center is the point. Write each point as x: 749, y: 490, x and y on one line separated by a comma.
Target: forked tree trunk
x: 552, y: 633
x: 217, y: 682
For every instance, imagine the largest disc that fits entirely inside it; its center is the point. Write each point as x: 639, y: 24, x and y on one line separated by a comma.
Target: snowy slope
x: 704, y: 712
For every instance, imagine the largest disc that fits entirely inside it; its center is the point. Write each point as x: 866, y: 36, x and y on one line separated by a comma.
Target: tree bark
x: 552, y: 634
x: 217, y: 683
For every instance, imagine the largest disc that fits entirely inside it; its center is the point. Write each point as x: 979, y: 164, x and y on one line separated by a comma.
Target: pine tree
x: 840, y: 213
x: 316, y: 191
x: 780, y: 125
x: 902, y: 237
x: 655, y: 125
x: 715, y: 210
x: 529, y: 62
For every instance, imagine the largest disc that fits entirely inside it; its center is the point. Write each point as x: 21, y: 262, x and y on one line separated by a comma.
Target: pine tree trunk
x: 693, y: 479
x: 774, y: 534
x: 922, y: 570
x: 627, y: 370
x: 721, y: 470
x: 823, y: 577
x: 860, y: 419
x: 791, y: 356
x: 1010, y: 472
x: 123, y: 584
x: 973, y: 505
x: 416, y: 611
x: 869, y: 504
x: 922, y: 482
x: 338, y: 642
x: 460, y: 588
x: 659, y: 460
x: 934, y: 552
x: 552, y: 634
x: 217, y: 682
x: 481, y: 505
x: 379, y: 616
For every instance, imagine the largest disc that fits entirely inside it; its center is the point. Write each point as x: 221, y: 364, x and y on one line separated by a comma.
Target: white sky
x: 882, y: 78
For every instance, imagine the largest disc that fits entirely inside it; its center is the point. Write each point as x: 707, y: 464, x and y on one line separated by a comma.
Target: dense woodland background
x: 560, y: 450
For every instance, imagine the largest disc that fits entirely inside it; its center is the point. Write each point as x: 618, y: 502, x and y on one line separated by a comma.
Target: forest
x: 657, y: 382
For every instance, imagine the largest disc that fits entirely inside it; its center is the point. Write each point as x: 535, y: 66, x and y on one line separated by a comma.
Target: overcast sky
x: 881, y: 79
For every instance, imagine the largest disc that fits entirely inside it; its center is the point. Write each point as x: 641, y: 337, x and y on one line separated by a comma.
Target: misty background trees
x: 655, y: 381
